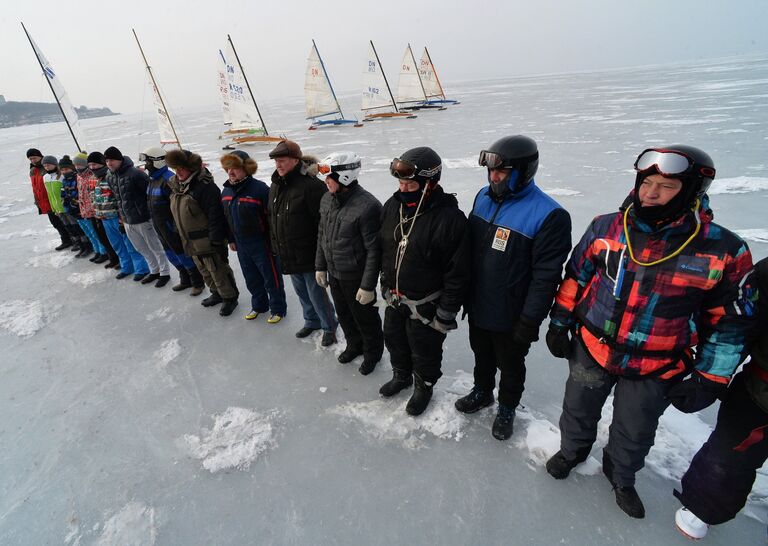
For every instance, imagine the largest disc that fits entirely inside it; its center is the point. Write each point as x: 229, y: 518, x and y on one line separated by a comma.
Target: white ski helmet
x: 344, y: 167
x: 155, y: 156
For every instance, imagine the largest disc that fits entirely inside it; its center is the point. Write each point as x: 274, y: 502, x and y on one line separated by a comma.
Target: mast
x: 66, y: 120
x: 394, y: 104
x: 248, y: 85
x: 418, y: 73
x: 434, y: 71
x: 154, y: 83
x: 328, y: 79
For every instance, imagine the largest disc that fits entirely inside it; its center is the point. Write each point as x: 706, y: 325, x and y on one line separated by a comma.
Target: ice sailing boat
x: 168, y: 134
x: 432, y: 88
x: 247, y: 123
x: 67, y: 110
x: 411, y: 94
x: 224, y: 93
x: 377, y: 95
x: 319, y: 94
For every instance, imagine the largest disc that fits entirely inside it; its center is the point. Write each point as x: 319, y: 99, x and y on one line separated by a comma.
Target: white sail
x: 241, y: 107
x: 429, y: 78
x: 167, y: 135
x: 375, y: 92
x: 408, y: 84
x: 61, y: 96
x: 317, y: 89
x: 224, y: 90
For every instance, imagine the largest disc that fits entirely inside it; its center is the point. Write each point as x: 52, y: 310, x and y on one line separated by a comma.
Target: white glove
x: 364, y: 297
x: 322, y: 278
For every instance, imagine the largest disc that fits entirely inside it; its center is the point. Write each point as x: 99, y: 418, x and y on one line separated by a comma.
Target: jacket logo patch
x: 500, y: 239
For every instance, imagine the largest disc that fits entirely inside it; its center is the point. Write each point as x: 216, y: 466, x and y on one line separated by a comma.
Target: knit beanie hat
x: 96, y: 157
x: 80, y: 160
x: 66, y: 162
x: 50, y: 160
x: 113, y: 153
x: 35, y: 152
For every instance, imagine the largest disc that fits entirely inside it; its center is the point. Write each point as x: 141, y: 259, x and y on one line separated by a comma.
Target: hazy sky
x: 90, y: 44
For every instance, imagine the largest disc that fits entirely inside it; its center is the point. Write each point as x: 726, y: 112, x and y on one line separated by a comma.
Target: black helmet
x: 513, y: 152
x: 420, y: 164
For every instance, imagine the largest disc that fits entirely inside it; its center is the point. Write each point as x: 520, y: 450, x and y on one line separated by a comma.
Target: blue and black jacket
x: 519, y: 245
x: 246, y: 209
x: 159, y: 203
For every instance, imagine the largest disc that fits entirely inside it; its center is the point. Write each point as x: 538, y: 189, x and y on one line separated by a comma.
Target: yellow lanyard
x: 676, y: 252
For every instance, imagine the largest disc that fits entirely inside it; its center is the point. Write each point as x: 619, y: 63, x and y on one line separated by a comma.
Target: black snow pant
x: 361, y: 323
x: 496, y: 349
x: 60, y: 227
x: 413, y: 346
x: 101, y: 233
x: 721, y: 475
x: 637, y: 406
x: 76, y: 234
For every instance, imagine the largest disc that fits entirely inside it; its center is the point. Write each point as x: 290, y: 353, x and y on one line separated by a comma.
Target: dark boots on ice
x: 85, y: 250
x: 368, y: 365
x: 197, y: 282
x: 422, y: 394
x: 162, y: 280
x: 63, y: 245
x: 213, y: 299
x: 503, y: 425
x: 184, y: 281
x: 228, y: 307
x: 476, y: 400
x: 558, y: 466
x: 152, y: 277
x: 400, y: 380
x: 626, y: 496
x: 349, y: 354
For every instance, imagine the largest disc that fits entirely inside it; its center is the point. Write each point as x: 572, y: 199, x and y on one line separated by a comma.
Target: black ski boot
x: 213, y: 299
x: 152, y: 277
x: 400, y: 380
x: 422, y: 394
x: 63, y: 245
x: 184, y: 281
x: 558, y: 466
x: 198, y: 284
x: 228, y: 307
x: 476, y: 400
x: 503, y: 425
x: 349, y: 354
x: 626, y: 496
x: 368, y: 365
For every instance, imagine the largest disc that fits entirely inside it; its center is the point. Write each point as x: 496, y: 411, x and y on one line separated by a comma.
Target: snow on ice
x: 89, y: 278
x: 133, y: 525
x: 238, y: 437
x: 25, y: 318
x: 739, y: 184
x: 168, y: 352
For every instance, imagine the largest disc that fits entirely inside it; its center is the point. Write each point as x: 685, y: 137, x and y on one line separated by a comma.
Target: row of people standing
x: 644, y: 286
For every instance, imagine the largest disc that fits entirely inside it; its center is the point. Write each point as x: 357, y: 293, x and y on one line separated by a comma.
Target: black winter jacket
x: 196, y: 208
x: 129, y: 185
x: 348, y: 236
x: 294, y: 212
x: 437, y: 254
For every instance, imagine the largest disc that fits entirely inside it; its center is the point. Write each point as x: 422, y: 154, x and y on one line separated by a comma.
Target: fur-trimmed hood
x: 235, y: 161
x: 184, y: 159
x: 309, y: 165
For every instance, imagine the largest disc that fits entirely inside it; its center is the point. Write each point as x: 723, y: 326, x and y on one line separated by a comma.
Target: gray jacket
x: 348, y: 236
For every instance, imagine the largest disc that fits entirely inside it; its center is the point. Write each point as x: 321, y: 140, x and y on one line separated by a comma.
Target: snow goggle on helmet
x: 144, y: 157
x: 325, y: 169
x: 671, y: 164
x: 406, y: 170
x: 492, y: 160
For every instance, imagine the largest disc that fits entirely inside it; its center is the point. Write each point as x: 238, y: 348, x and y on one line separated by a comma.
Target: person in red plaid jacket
x: 643, y: 287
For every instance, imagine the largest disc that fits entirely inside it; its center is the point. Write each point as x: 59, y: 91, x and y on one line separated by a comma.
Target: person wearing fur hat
x: 86, y: 184
x: 348, y: 256
x: 36, y: 174
x: 245, y: 200
x: 196, y: 208
x: 105, y: 210
x: 159, y: 202
x: 294, y: 215
x: 130, y: 187
x: 53, y: 185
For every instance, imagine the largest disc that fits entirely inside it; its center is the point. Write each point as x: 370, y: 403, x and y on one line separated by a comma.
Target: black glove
x: 444, y: 321
x: 695, y: 393
x: 558, y: 341
x: 525, y: 332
